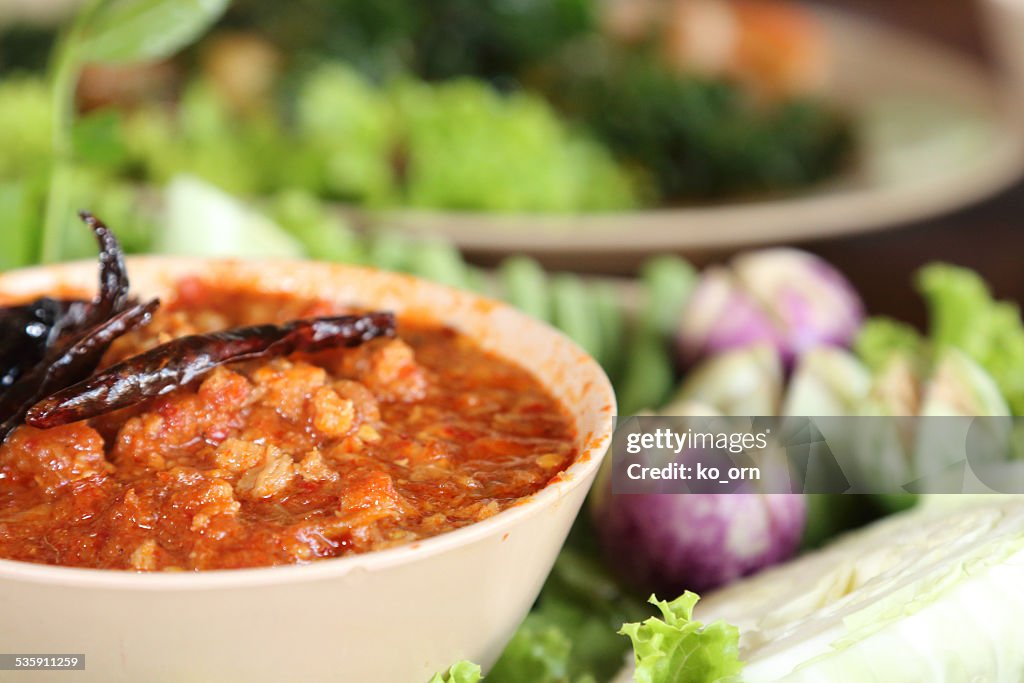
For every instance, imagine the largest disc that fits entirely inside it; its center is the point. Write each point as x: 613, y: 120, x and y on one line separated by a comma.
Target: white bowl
x: 396, y: 615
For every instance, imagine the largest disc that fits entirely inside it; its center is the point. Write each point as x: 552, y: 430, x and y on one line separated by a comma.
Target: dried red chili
x: 51, y: 343
x: 50, y: 347
x: 185, y: 359
x: 70, y: 362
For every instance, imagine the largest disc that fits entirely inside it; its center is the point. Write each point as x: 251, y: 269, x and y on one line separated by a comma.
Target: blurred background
x: 590, y: 135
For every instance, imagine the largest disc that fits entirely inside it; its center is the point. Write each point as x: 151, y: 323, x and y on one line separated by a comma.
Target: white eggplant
x: 746, y: 382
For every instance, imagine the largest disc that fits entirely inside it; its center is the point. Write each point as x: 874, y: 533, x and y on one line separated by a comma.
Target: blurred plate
x: 935, y: 134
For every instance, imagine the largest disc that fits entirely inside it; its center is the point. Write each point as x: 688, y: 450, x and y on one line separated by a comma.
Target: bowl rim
x: 592, y: 448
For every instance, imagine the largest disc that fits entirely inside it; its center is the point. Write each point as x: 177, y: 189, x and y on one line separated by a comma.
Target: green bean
x: 573, y: 313
x: 668, y: 281
x: 611, y: 322
x: 478, y: 281
x: 332, y: 242
x: 525, y: 285
x: 440, y: 262
x: 388, y: 251
x: 648, y: 376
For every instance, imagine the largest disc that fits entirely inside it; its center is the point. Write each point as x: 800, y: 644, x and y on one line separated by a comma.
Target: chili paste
x: 286, y: 460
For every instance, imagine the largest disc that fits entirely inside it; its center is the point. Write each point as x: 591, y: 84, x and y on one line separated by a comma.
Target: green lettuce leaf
x: 677, y: 649
x: 538, y: 653
x: 880, y: 338
x: 460, y: 672
x: 963, y: 314
x: 570, y: 637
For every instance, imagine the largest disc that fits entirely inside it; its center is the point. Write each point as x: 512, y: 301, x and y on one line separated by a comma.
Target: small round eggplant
x: 783, y: 297
x: 668, y: 543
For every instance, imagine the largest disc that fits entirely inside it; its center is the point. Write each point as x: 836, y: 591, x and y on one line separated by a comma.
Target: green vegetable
x: 460, y: 672
x: 108, y: 31
x: 351, y: 128
x: 25, y: 127
x: 466, y: 146
x: 479, y: 281
x: 668, y: 282
x: 963, y: 314
x: 573, y: 313
x: 243, y: 154
x: 494, y: 39
x: 525, y: 285
x: 18, y: 207
x: 648, y: 369
x: 538, y: 653
x: 611, y: 321
x: 193, y: 207
x: 455, y: 145
x: 440, y: 262
x: 323, y: 233
x: 648, y: 374
x: 97, y: 140
x: 678, y: 649
x: 388, y: 251
x: 697, y: 138
x: 570, y: 635
x: 143, y: 30
x: 880, y: 338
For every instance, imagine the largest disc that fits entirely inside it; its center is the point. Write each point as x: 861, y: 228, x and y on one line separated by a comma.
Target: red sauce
x: 287, y: 460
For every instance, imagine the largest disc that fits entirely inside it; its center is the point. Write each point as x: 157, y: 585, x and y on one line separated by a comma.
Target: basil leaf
x: 145, y: 30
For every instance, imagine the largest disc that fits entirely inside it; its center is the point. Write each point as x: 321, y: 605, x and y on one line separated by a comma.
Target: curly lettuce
x: 348, y: 124
x: 880, y: 339
x: 962, y: 314
x: 674, y: 648
x: 678, y: 649
x: 570, y: 637
x: 467, y: 146
x: 460, y: 672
